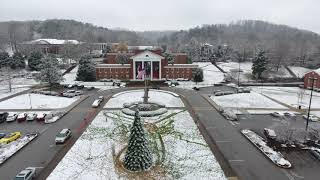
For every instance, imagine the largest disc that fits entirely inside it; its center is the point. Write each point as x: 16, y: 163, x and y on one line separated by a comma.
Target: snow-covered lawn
x: 7, y: 150
x: 299, y: 71
x: 316, y: 113
x: 162, y: 97
x: 281, y: 73
x: 289, y: 95
x: 245, y: 100
x: 70, y: 77
x: 211, y: 75
x: 5, y: 92
x: 233, y: 69
x: 94, y: 155
x: 37, y: 101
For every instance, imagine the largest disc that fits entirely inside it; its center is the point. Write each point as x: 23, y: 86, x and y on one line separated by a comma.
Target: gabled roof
x: 145, y: 54
x: 53, y: 41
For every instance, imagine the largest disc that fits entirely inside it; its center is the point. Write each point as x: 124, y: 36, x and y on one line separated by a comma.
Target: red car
x: 22, y: 117
x: 41, y: 116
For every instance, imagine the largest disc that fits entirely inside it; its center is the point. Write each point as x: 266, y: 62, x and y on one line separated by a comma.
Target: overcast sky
x: 165, y: 14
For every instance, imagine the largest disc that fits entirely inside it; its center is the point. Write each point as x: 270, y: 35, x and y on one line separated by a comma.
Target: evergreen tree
x: 87, y: 70
x: 49, y: 71
x: 259, y: 64
x: 17, y: 61
x: 122, y: 58
x: 138, y: 156
x: 34, y: 60
x: 3, y: 59
x: 197, y: 75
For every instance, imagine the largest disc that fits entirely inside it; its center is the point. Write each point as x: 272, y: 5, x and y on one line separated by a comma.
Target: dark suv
x: 3, y: 116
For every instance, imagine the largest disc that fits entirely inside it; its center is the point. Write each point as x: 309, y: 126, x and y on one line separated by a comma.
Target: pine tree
x: 138, y: 156
x: 34, y: 60
x: 259, y: 64
x: 3, y: 59
x: 17, y: 61
x: 197, y: 75
x: 49, y: 71
x: 87, y: 70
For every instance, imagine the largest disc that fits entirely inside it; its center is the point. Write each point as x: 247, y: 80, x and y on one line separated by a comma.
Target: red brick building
x: 145, y: 64
x: 308, y: 79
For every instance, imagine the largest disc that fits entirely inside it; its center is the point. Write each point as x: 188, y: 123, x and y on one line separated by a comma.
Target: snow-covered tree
x: 197, y: 75
x: 138, y: 155
x: 122, y: 58
x: 87, y: 70
x: 259, y: 64
x: 17, y: 61
x: 34, y: 60
x: 3, y: 59
x: 49, y: 71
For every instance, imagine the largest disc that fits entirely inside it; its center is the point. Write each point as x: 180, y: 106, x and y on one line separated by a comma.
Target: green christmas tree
x: 138, y: 156
x: 259, y: 64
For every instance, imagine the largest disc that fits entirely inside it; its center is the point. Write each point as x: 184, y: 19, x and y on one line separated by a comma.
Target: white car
x: 290, y: 114
x: 276, y: 114
x: 101, y: 98
x: 96, y: 103
x: 311, y: 117
x: 26, y: 174
x: 63, y: 135
x: 31, y: 117
x: 12, y: 117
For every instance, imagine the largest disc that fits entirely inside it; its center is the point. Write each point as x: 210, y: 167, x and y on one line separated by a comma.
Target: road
x: 43, y: 149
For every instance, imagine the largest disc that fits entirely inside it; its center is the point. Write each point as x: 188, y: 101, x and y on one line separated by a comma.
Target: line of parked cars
x: 71, y: 93
x: 20, y: 117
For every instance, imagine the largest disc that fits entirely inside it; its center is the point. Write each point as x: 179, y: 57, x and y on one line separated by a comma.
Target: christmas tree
x: 138, y: 156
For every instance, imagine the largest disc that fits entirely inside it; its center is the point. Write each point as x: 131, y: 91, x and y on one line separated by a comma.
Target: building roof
x: 147, y: 53
x: 317, y: 71
x: 53, y: 41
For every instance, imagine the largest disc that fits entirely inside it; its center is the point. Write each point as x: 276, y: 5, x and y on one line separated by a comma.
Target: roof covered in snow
x: 53, y: 41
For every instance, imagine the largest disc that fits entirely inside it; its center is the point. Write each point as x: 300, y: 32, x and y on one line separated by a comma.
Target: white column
x: 160, y: 69
x: 134, y: 69
x: 151, y: 70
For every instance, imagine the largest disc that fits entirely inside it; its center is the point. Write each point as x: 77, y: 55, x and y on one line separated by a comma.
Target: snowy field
x: 211, y: 75
x: 96, y: 152
x: 245, y: 100
x: 233, y: 69
x: 299, y: 71
x: 281, y: 73
x: 162, y: 97
x: 5, y: 92
x: 289, y: 95
x: 37, y: 101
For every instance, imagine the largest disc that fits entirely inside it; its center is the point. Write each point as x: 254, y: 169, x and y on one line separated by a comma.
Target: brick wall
x: 114, y: 72
x: 178, y: 71
x: 308, y: 81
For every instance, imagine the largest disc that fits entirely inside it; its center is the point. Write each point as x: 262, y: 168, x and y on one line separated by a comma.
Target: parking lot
x: 304, y: 165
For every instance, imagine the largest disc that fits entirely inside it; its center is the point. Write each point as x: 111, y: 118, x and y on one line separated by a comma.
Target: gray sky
x: 165, y: 14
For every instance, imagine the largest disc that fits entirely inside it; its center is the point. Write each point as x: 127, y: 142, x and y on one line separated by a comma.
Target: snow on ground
x: 289, y: 95
x: 92, y: 156
x: 299, y: 71
x: 162, y: 97
x: 316, y: 113
x: 211, y: 75
x: 5, y: 92
x: 70, y: 77
x: 281, y: 73
x: 245, y: 100
x: 7, y: 150
x: 233, y: 69
x: 38, y: 101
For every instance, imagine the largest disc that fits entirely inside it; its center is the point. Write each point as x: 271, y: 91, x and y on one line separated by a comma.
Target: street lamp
x: 313, y: 79
x: 30, y: 101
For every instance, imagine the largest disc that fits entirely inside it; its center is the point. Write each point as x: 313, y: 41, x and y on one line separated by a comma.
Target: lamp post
x: 313, y: 79
x: 30, y: 101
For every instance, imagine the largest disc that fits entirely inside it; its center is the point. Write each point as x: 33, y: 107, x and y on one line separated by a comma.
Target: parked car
x: 31, y: 117
x: 22, y: 117
x: 10, y: 137
x: 311, y: 117
x: 96, y: 103
x: 41, y: 116
x: 78, y: 93
x: 196, y: 88
x: 63, y: 136
x: 101, y: 98
x: 2, y: 135
x: 270, y: 133
x: 275, y: 114
x: 90, y: 88
x: 116, y: 83
x: 3, y: 116
x: 173, y: 82
x: 69, y: 93
x: 26, y: 174
x: 11, y: 117
x: 289, y: 114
